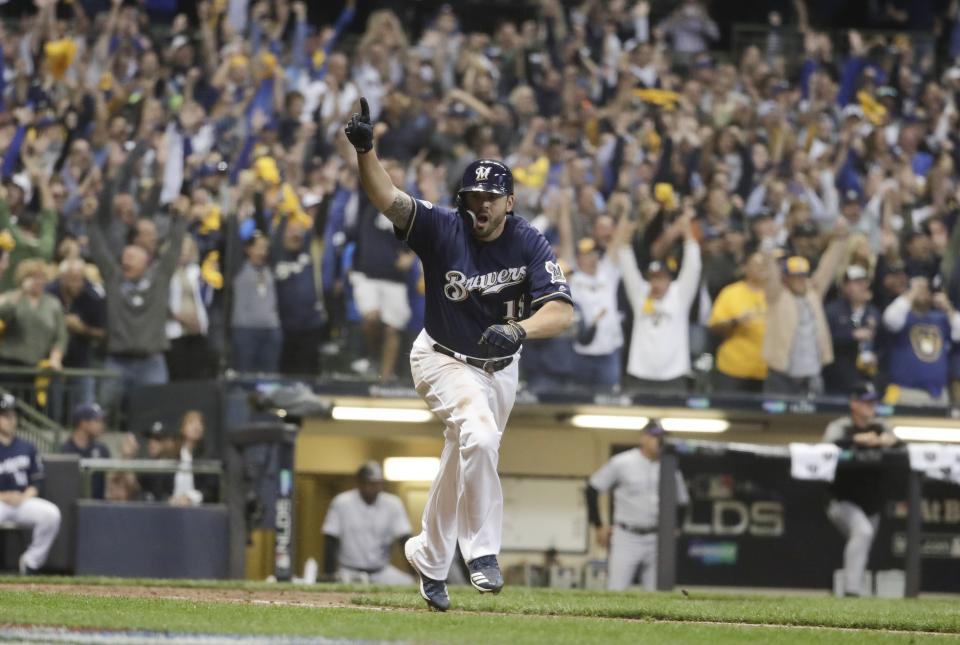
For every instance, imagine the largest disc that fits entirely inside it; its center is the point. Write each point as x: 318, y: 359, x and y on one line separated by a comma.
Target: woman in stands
x: 34, y: 329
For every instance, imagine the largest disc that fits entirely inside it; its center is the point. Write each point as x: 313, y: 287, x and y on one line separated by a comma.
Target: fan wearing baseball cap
x: 853, y: 322
x: 87, y: 428
x: 856, y: 493
x: 797, y: 341
x: 659, y: 356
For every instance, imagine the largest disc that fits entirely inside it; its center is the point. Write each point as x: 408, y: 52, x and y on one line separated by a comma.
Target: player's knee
x: 49, y: 515
x: 863, y: 532
x: 484, y: 442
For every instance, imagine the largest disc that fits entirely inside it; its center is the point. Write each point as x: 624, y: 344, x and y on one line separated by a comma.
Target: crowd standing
x: 176, y: 202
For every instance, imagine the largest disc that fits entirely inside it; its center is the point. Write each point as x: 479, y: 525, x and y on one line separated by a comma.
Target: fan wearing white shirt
x: 659, y: 356
x: 598, y: 345
x: 185, y: 489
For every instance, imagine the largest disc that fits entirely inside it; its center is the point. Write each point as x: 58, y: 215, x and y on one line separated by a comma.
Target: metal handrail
x: 89, y: 466
x: 41, y: 430
x: 66, y: 372
x: 198, y: 466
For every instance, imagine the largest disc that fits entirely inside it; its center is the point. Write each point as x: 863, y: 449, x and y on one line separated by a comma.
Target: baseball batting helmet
x: 484, y: 176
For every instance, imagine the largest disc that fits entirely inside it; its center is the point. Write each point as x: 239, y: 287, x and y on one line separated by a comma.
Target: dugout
x: 765, y: 521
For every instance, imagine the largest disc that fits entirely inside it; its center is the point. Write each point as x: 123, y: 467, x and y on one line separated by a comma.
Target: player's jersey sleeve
x: 546, y: 279
x: 605, y: 478
x: 425, y: 225
x: 331, y: 523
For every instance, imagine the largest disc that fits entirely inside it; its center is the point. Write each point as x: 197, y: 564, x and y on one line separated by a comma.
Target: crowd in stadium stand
x: 173, y: 205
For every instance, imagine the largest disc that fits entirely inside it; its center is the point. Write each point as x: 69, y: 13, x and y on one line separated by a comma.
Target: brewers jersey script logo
x: 459, y: 286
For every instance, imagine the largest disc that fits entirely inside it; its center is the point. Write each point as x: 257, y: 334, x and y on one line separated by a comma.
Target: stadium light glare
x: 608, y: 422
x: 410, y: 469
x: 927, y: 433
x: 390, y: 415
x: 677, y: 424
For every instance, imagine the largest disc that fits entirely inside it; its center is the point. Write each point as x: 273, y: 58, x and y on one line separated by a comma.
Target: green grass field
x: 518, y: 615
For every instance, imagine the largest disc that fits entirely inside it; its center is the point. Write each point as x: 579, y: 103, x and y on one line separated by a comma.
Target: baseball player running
x: 491, y: 281
x: 21, y: 472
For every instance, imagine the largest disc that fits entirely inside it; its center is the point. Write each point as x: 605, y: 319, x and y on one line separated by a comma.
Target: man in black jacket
x: 857, y: 493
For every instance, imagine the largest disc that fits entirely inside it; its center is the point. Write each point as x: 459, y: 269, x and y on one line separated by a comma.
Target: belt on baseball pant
x: 638, y: 530
x: 488, y: 365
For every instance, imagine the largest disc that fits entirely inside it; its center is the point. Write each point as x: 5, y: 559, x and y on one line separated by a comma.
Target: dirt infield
x: 288, y: 597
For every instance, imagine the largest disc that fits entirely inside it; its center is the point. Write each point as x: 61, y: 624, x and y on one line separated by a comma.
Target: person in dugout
x: 631, y: 537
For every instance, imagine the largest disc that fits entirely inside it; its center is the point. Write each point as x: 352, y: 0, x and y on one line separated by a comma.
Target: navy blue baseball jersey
x: 20, y: 466
x: 471, y: 284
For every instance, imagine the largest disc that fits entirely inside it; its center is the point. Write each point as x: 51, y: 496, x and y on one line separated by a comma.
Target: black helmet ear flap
x: 468, y: 215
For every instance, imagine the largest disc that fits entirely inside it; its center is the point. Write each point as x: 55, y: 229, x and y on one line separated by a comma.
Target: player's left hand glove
x: 359, y: 130
x: 502, y: 340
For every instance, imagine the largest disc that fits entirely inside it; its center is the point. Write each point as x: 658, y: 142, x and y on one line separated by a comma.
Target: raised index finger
x: 364, y: 109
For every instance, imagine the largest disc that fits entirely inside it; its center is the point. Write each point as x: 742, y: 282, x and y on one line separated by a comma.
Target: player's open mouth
x: 482, y: 220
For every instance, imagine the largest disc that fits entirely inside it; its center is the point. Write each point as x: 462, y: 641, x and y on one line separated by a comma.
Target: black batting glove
x: 502, y: 340
x: 359, y: 130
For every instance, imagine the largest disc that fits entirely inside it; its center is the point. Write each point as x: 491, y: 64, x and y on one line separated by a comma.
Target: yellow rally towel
x: 653, y: 142
x: 239, y: 60
x: 663, y: 193
x: 290, y: 206
x: 534, y: 175
x: 872, y: 108
x: 210, y: 270
x: 7, y: 243
x: 42, y: 384
x: 210, y: 221
x: 60, y: 55
x: 267, y: 170
x: 269, y: 64
x: 892, y: 395
x: 319, y: 58
x: 106, y: 81
x: 664, y: 98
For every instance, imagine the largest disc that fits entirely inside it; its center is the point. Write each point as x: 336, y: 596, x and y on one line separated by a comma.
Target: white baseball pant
x: 465, y: 502
x: 41, y: 516
x: 859, y: 529
x: 627, y: 552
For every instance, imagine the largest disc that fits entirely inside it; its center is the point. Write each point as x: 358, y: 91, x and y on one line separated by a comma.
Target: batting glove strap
x: 503, y: 339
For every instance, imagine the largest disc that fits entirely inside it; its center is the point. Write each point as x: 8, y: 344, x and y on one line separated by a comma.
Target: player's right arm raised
x: 395, y: 204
